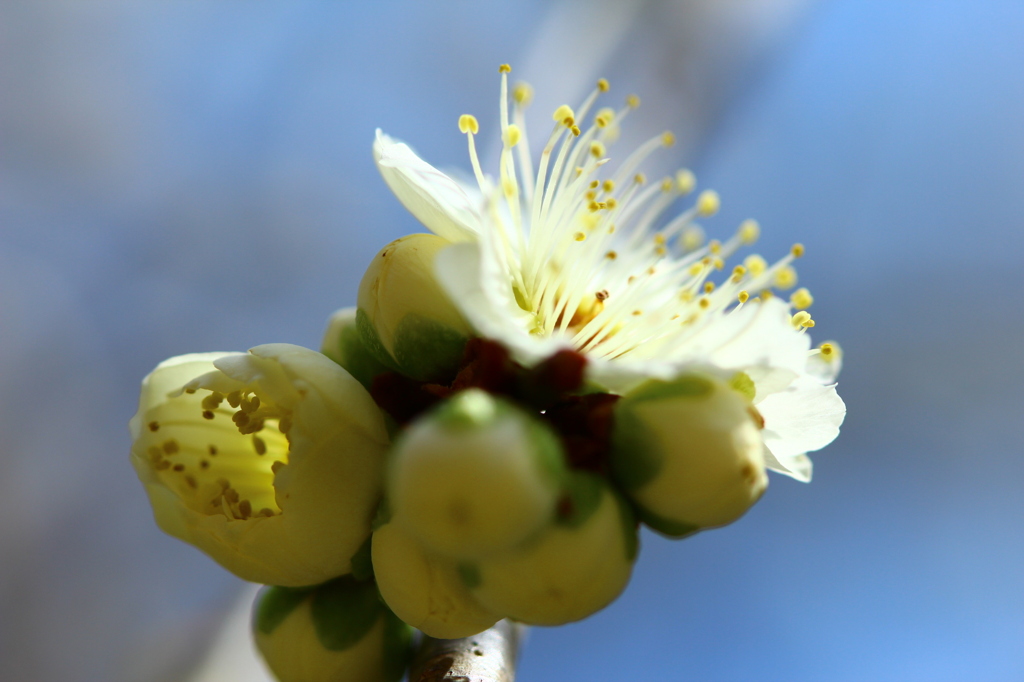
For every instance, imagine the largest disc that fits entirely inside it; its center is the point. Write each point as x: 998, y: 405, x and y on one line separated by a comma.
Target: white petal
x: 797, y: 466
x: 803, y: 418
x: 436, y: 200
x: 761, y: 337
x: 483, y: 295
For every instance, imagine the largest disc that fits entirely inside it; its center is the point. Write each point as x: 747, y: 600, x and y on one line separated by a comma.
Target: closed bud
x: 337, y: 632
x: 476, y: 476
x: 423, y: 589
x: 405, y: 318
x: 269, y: 461
x: 579, y: 565
x: 343, y: 344
x: 689, y: 453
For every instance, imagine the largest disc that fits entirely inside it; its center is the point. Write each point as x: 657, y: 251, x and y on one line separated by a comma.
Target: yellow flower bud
x: 475, y: 477
x: 343, y: 344
x: 338, y: 631
x: 405, y: 317
x: 689, y: 453
x: 579, y: 565
x: 424, y: 589
x: 269, y: 461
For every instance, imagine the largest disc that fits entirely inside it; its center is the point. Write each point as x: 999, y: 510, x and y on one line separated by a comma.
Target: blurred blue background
x: 180, y: 177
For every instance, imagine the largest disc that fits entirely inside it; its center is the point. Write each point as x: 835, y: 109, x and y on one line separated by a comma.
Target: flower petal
x: 803, y: 418
x: 481, y: 291
x: 436, y: 200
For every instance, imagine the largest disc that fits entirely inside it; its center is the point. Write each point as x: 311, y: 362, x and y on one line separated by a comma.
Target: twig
x: 487, y: 657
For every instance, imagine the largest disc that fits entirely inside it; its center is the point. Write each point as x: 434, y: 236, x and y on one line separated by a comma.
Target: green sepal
x: 343, y: 612
x: 353, y: 354
x: 676, y: 530
x: 362, y: 563
x: 275, y: 603
x: 470, y: 574
x: 688, y: 386
x: 585, y: 490
x: 629, y: 526
x: 636, y: 457
x: 383, y: 515
x: 370, y: 341
x: 427, y: 350
x: 397, y: 647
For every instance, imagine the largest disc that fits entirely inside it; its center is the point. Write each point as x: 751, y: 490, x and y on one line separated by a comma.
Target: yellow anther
x: 591, y: 195
x: 686, y: 295
x: 715, y: 246
x: 718, y: 263
x: 708, y: 203
x: 602, y: 204
x: 801, y: 319
x: 809, y: 323
x: 594, y: 184
x: 579, y: 171
x: 801, y: 299
x: 600, y: 121
x: 750, y: 230
x: 685, y: 181
x: 766, y: 294
x: 593, y: 206
x: 829, y: 351
x: 522, y: 93
x: 785, y: 278
x: 575, y: 130
x: 564, y: 113
x: 797, y: 250
x: 661, y: 251
x: 611, y: 203
x: 739, y: 271
x: 639, y: 178
x: 632, y: 101
x: 468, y: 124
x: 666, y: 184
x: 611, y: 255
x: 709, y: 287
x: 755, y: 264
x: 579, y: 236
x: 608, y: 185
x: 637, y: 313
x: 602, y: 84
x: 659, y: 239
x: 695, y: 269
x: 668, y: 138
x: 743, y: 296
x: 692, y: 238
x: 508, y: 187
x: 597, y: 149
x: 607, y: 113
x: 705, y: 302
x: 511, y: 136
x: 504, y: 68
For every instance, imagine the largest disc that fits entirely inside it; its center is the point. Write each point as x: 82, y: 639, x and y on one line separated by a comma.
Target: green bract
x: 405, y: 319
x: 475, y: 477
x: 339, y: 631
x: 688, y: 452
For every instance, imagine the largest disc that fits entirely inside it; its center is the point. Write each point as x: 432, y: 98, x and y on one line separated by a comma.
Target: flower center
x: 226, y: 463
x: 586, y: 252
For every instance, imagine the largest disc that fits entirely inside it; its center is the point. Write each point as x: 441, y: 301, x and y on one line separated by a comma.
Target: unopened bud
x: 474, y: 477
x: 689, y: 453
x: 405, y: 318
x: 423, y: 589
x: 579, y: 565
x: 339, y: 631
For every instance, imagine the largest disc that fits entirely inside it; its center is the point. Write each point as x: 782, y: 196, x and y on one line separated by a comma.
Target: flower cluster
x: 517, y: 391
